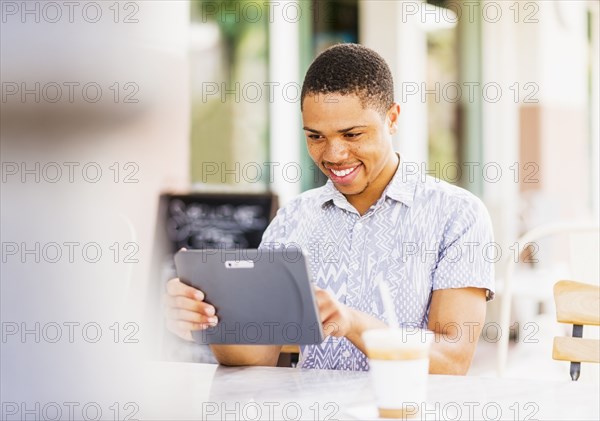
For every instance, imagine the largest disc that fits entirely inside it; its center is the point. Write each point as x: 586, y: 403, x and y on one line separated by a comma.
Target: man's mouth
x: 343, y: 175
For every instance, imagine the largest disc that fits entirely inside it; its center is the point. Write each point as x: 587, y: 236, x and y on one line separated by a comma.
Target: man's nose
x: 335, y: 151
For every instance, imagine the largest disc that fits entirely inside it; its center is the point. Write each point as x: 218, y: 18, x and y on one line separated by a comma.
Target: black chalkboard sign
x: 210, y: 220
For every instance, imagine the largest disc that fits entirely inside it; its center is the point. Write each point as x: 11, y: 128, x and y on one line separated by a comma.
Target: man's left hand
x: 336, y: 318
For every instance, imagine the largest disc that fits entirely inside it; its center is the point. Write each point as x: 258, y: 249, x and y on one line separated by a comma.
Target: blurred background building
x: 482, y: 86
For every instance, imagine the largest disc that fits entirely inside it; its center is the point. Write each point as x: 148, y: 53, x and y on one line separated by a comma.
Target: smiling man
x: 375, y: 218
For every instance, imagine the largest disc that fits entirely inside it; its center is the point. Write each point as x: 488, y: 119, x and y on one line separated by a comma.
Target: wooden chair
x: 577, y: 304
x: 582, y: 258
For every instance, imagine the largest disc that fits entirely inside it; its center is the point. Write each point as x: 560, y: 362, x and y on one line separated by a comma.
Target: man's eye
x: 352, y: 135
x: 314, y: 136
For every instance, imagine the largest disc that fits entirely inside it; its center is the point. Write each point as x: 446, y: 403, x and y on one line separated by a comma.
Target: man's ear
x: 392, y: 117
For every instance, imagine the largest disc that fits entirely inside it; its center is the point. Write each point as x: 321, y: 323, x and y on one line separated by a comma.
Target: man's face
x: 350, y: 144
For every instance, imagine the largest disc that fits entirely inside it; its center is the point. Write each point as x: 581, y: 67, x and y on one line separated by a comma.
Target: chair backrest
x: 577, y: 304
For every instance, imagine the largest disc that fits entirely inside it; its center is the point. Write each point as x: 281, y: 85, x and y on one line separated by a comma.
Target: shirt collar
x: 330, y: 193
x: 401, y: 187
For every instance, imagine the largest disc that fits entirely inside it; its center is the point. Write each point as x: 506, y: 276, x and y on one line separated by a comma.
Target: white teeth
x: 342, y: 173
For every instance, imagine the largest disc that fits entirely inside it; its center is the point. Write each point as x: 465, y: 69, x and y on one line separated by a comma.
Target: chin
x: 351, y: 190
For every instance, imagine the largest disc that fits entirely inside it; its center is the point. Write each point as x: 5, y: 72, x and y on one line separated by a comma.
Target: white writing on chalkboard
x: 201, y: 224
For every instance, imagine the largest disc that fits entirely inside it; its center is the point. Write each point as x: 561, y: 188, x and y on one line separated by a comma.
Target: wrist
x: 355, y: 329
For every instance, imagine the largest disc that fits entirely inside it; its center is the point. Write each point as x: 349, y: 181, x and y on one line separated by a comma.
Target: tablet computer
x: 261, y: 296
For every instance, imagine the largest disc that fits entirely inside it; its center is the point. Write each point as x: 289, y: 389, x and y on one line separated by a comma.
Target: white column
x: 500, y: 131
x: 394, y: 30
x: 500, y: 142
x: 284, y: 112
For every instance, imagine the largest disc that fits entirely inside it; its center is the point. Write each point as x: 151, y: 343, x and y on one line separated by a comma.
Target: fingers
x: 182, y: 321
x: 325, y: 303
x: 185, y: 303
x: 191, y: 310
x: 328, y: 312
x: 186, y: 297
x: 175, y: 287
x: 191, y: 316
x: 186, y: 311
x: 321, y: 295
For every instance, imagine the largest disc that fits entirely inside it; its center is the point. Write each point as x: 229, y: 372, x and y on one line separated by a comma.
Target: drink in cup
x: 399, y: 365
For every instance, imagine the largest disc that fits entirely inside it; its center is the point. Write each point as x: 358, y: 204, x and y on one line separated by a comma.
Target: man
x: 376, y: 218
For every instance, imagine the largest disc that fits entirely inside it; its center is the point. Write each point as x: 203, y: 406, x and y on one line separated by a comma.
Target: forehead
x: 337, y: 111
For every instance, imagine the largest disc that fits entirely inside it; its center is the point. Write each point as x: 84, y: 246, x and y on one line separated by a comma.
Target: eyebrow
x: 308, y: 129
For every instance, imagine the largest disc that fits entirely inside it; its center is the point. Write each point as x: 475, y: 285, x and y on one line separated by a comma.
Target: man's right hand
x: 186, y: 310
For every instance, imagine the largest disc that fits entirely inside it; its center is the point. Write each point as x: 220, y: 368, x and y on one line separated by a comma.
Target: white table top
x: 186, y: 391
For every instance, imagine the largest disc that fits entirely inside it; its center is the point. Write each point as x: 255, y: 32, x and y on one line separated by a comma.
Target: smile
x: 344, y: 176
x: 343, y: 173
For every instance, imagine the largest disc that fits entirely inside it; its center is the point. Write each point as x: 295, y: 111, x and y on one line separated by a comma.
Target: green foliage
x: 232, y: 17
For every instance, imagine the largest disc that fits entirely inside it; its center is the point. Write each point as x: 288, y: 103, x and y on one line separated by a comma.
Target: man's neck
x: 363, y: 201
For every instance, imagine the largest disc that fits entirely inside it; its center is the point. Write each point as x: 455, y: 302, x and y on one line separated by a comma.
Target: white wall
x: 150, y: 135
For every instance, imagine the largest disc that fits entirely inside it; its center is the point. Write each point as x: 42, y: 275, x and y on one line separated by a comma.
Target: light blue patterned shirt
x: 423, y: 234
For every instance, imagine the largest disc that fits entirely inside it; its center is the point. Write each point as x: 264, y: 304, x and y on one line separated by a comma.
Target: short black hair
x: 351, y: 69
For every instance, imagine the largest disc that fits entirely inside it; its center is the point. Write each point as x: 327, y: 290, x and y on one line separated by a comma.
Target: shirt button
x: 354, y: 265
x: 346, y: 354
x: 358, y: 225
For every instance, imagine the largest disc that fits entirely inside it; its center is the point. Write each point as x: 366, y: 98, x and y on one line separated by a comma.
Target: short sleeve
x: 467, y: 252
